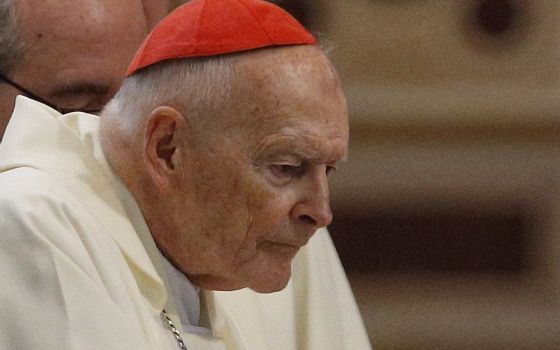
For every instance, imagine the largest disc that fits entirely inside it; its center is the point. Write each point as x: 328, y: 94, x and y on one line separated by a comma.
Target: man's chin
x: 269, y: 289
x: 269, y: 282
x: 273, y: 282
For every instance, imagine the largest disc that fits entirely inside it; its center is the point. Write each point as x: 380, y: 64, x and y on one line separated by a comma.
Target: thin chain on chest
x: 167, y: 323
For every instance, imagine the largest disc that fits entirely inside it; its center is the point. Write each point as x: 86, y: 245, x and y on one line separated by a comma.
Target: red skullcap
x: 216, y: 27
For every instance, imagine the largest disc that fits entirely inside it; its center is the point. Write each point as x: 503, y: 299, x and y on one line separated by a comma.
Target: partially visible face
x: 77, y: 51
x: 258, y: 174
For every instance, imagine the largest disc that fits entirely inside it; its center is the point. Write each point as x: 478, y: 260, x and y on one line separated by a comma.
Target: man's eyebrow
x: 300, y: 148
x: 81, y: 87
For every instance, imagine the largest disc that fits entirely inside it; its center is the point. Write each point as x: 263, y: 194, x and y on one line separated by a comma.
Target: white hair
x: 11, y: 46
x: 193, y: 86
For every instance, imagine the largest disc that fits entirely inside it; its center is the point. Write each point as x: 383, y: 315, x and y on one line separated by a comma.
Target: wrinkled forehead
x: 303, y: 66
x: 296, y: 82
x: 286, y: 94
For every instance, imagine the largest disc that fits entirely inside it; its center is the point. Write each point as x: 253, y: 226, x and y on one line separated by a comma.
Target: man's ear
x: 164, y: 133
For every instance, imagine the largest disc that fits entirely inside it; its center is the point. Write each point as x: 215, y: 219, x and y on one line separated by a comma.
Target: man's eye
x: 330, y: 169
x: 285, y: 171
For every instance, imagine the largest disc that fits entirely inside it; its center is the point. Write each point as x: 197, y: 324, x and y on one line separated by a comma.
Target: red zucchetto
x: 216, y: 27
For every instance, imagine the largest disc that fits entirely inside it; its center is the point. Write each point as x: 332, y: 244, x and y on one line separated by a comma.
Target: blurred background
x: 447, y: 212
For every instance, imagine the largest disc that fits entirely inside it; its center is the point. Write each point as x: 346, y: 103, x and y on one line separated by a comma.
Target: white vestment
x: 78, y: 270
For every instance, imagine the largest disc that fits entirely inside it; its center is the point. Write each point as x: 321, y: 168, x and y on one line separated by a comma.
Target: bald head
x: 75, y: 52
x: 202, y: 88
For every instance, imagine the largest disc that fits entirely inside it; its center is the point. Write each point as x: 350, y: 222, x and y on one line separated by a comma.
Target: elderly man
x: 222, y: 225
x: 71, y: 54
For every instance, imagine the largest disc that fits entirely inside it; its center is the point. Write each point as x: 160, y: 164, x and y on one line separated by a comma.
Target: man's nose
x: 313, y: 207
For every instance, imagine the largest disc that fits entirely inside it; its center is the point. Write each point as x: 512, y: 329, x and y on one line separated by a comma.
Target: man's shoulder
x: 28, y: 192
x: 44, y: 212
x: 27, y: 183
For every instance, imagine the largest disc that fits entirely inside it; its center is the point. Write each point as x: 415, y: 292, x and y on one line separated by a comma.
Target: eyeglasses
x: 43, y: 100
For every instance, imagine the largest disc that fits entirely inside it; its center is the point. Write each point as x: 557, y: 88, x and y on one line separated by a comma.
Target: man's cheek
x: 262, y: 196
